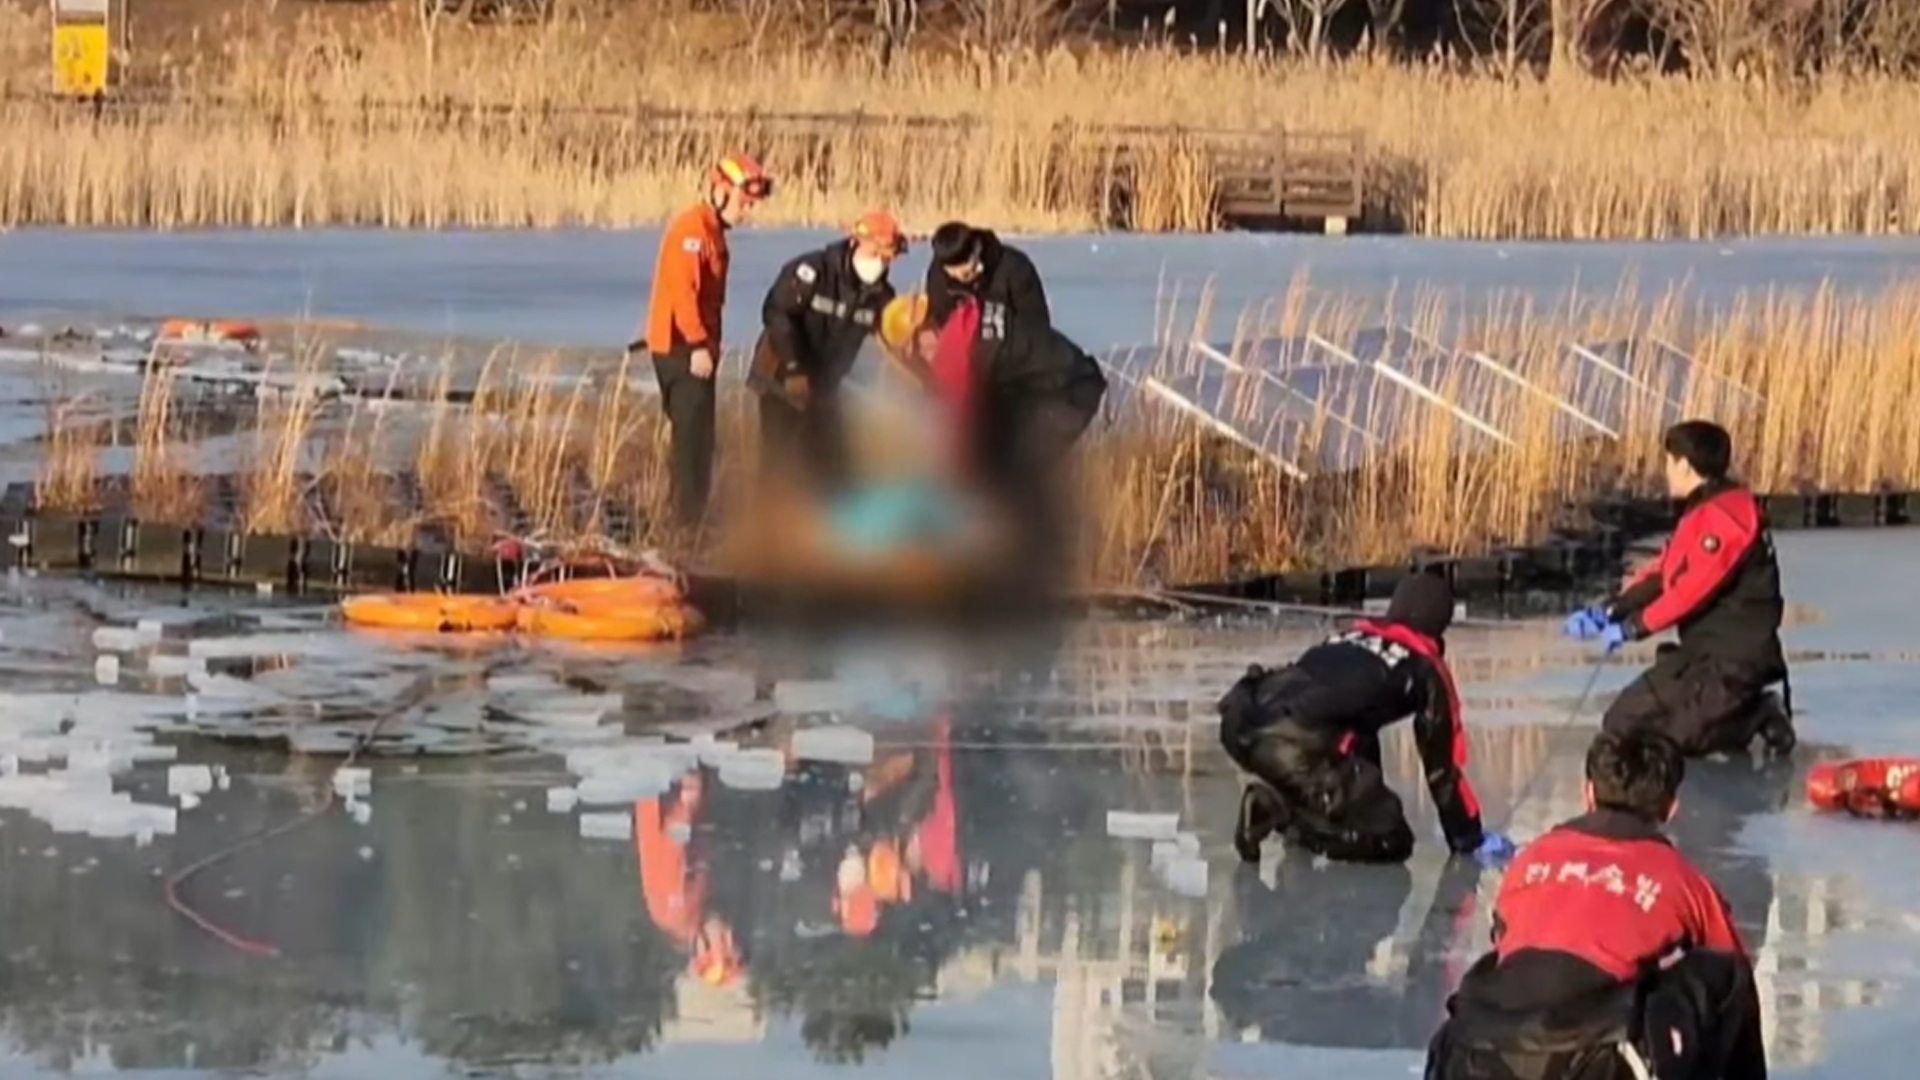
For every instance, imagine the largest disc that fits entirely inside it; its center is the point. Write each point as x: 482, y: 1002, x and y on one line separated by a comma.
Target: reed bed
x: 389, y: 120
x: 1510, y: 440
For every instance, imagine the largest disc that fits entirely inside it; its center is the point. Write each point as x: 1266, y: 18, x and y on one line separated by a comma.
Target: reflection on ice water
x: 760, y: 857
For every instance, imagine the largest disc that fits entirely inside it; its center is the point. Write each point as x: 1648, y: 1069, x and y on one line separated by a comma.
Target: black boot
x: 1261, y: 815
x: 1775, y: 727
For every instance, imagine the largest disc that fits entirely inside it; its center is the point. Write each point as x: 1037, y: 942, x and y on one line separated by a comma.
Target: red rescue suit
x: 1717, y: 583
x: 1612, y: 955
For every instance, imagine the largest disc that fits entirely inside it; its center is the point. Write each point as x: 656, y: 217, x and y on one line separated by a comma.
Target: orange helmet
x: 880, y: 227
x: 738, y: 172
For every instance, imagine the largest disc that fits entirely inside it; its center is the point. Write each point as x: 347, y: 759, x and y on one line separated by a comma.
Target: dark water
x: 949, y: 903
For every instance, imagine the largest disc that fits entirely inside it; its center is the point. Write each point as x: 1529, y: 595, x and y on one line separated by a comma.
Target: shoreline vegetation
x: 1166, y: 499
x: 385, y: 117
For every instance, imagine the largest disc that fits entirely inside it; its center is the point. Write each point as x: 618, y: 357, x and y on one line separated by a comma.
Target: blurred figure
x: 674, y: 883
x: 819, y: 313
x: 1018, y: 392
x: 1310, y: 734
x: 1717, y: 582
x: 684, y: 317
x: 1614, y: 958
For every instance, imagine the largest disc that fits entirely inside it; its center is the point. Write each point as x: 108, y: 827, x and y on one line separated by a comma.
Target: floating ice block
x: 562, y: 800
x: 840, y: 744
x: 1128, y: 825
x: 352, y: 781
x: 189, y: 779
x: 117, y: 639
x: 606, y: 826
x: 173, y: 665
x: 814, y: 695
x: 106, y: 669
x: 605, y: 789
x: 1186, y: 875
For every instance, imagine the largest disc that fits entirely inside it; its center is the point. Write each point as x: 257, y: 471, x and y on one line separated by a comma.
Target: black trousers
x: 1705, y: 704
x: 1333, y: 799
x: 689, y: 403
x: 1697, y: 1020
x: 1021, y: 449
x: 811, y: 442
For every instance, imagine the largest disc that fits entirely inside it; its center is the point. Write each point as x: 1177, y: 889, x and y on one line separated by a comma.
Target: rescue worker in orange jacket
x: 683, y: 321
x: 819, y: 313
x: 1718, y: 584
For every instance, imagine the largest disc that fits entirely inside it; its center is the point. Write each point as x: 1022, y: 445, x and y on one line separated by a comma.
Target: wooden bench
x: 1266, y: 182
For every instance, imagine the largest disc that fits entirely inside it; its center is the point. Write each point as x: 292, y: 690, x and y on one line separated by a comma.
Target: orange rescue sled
x: 431, y: 613
x: 1867, y: 787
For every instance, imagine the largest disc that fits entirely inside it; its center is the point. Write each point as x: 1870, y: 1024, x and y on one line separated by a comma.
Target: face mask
x: 869, y: 269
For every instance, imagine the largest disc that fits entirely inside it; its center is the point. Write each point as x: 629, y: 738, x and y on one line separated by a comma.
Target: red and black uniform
x: 1613, y: 958
x: 1718, y: 584
x: 1311, y: 732
x: 1030, y: 391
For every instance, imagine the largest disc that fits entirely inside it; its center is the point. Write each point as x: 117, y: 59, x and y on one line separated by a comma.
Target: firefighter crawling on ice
x: 1310, y: 734
x: 1614, y: 958
x: 1718, y: 584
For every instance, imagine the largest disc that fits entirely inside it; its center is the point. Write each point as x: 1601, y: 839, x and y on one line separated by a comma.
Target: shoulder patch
x: 805, y: 272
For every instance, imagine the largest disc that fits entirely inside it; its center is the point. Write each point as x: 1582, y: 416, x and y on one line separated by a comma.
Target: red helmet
x: 738, y: 172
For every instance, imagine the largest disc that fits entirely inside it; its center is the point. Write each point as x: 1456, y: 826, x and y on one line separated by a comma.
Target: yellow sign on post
x: 82, y: 47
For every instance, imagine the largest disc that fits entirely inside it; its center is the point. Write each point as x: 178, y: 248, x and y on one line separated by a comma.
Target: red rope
x: 254, y: 946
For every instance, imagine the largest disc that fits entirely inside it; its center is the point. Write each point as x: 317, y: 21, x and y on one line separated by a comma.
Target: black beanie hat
x: 1423, y: 603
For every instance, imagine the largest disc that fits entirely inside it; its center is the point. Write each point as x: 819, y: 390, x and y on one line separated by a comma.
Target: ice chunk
x: 189, y: 779
x: 173, y: 665
x: 753, y: 770
x: 362, y: 812
x: 625, y: 786
x: 150, y: 630
x: 188, y: 800
x: 839, y: 744
x: 578, y: 711
x: 813, y: 695
x: 713, y: 751
x: 1127, y: 825
x: 606, y: 826
x: 106, y: 669
x: 352, y: 781
x: 117, y: 639
x: 1186, y: 875
x: 562, y: 800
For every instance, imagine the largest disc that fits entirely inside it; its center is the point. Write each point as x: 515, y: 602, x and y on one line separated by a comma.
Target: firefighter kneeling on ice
x: 1716, y: 582
x: 1614, y: 958
x: 1310, y: 733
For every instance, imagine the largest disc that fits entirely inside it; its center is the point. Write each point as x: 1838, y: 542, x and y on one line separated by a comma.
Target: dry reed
x: 1453, y: 154
x: 1511, y: 440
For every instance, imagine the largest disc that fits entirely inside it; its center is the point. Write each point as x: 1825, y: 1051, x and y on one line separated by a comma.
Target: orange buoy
x: 1869, y: 787
x: 601, y: 620
x: 430, y: 613
x: 199, y: 330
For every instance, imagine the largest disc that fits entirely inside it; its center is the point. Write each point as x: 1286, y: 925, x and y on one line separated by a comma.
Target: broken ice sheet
x: 607, y: 826
x: 839, y: 744
x: 1128, y: 825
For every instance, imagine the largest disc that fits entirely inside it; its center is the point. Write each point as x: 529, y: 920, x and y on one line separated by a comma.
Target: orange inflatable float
x: 431, y: 613
x: 1867, y: 787
x: 638, y: 608
x: 208, y: 330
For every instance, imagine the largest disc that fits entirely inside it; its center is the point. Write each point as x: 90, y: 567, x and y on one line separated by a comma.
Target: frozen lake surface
x: 891, y: 853
x: 589, y: 288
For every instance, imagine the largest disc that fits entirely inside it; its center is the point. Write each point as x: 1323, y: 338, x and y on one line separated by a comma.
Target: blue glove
x: 1586, y: 624
x: 1494, y: 850
x: 1614, y: 636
